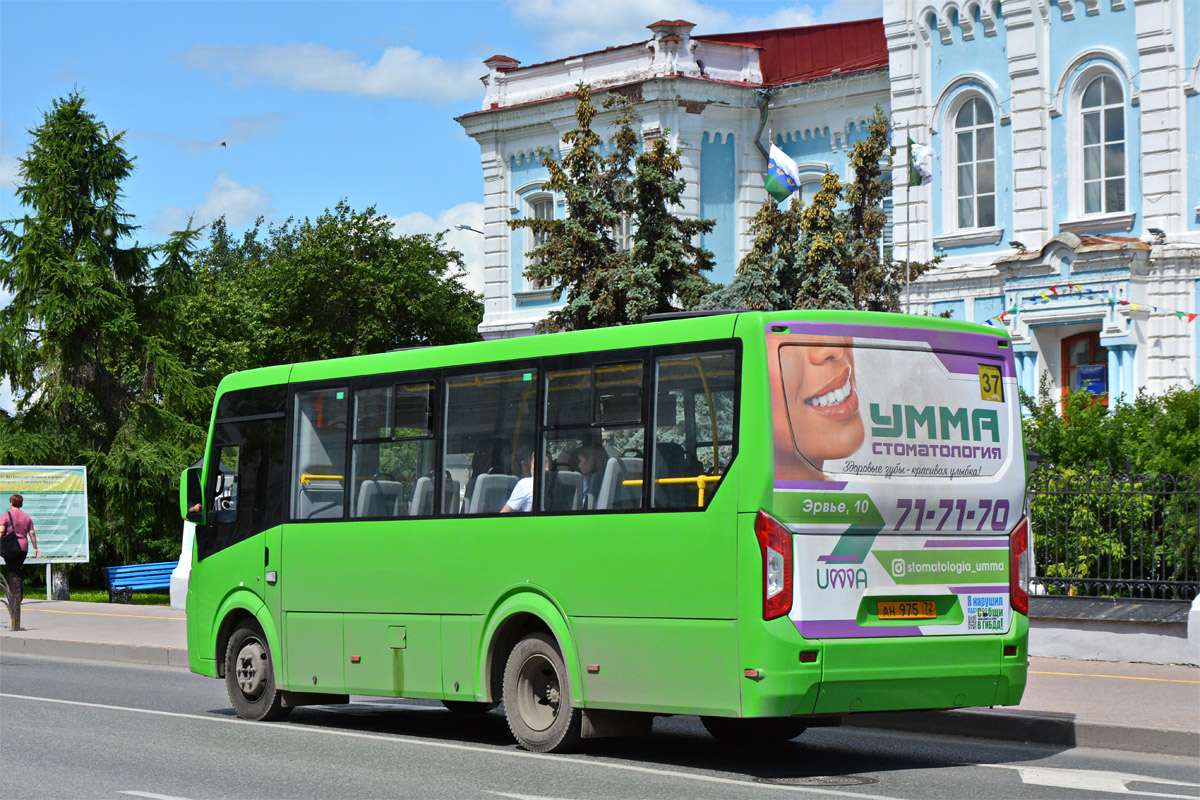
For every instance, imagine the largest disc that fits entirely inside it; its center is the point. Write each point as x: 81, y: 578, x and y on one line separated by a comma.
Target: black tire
x: 758, y: 731
x: 468, y: 707
x: 250, y: 675
x: 537, y: 697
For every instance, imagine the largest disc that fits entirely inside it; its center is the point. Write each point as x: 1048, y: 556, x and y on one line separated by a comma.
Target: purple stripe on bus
x: 848, y: 629
x: 968, y: 543
x: 993, y: 589
x: 959, y: 352
x: 829, y: 486
x: 850, y: 559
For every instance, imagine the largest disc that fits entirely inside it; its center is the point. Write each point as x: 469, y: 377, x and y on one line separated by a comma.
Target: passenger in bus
x: 590, y: 460
x: 815, y: 406
x: 521, y: 499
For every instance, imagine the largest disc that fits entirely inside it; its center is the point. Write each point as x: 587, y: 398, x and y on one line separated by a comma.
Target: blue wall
x: 718, y: 172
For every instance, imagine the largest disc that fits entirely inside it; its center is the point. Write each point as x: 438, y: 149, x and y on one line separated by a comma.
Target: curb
x: 1035, y: 728
x: 145, y: 655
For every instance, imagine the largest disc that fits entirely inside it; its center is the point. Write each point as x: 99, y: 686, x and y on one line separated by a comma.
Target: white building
x: 1068, y: 172
x: 707, y: 94
x: 1067, y: 179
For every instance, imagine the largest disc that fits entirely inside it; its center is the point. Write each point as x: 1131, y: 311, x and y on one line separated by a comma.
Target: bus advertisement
x: 770, y: 520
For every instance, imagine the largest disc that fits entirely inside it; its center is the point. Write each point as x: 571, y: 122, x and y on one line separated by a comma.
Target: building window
x: 1102, y: 113
x: 1084, y: 364
x: 975, y: 159
x: 623, y: 234
x: 539, y: 207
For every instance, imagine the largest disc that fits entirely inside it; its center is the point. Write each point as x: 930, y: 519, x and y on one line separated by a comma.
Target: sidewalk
x: 1122, y: 706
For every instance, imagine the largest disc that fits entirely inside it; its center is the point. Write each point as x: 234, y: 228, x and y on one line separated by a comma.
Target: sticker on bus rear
x: 900, y: 586
x: 894, y: 430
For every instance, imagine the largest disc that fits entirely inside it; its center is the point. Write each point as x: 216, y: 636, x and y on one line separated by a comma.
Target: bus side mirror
x: 191, y: 505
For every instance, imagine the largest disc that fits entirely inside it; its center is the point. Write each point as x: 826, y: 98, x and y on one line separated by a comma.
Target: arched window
x: 1102, y: 116
x: 975, y: 163
x: 538, y: 206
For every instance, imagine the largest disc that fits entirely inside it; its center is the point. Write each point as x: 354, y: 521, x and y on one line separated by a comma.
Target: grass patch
x: 162, y: 598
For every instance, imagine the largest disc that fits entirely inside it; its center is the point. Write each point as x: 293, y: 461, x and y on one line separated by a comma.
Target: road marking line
x: 153, y: 796
x: 1118, y: 677
x: 462, y: 747
x: 1092, y: 780
x: 101, y: 614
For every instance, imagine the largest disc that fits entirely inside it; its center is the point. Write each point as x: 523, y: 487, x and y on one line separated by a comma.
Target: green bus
x: 770, y: 520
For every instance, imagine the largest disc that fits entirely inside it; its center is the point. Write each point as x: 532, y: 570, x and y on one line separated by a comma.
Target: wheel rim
x: 538, y: 693
x: 251, y: 668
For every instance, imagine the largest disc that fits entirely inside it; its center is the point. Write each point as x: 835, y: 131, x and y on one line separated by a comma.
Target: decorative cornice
x: 1099, y: 223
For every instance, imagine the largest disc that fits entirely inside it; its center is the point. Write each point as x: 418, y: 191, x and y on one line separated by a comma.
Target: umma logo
x: 898, y: 567
x: 841, y: 578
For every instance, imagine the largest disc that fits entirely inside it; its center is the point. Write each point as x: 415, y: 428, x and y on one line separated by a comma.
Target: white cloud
x: 469, y: 243
x: 239, y: 204
x: 399, y: 72
x: 8, y: 172
x: 569, y: 27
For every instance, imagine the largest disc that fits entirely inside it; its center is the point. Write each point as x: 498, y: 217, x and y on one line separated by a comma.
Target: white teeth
x: 831, y: 398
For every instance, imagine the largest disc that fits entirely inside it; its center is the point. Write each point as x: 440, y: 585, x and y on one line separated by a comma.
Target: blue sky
x: 316, y: 102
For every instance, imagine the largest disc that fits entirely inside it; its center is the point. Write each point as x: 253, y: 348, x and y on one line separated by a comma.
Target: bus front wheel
x: 250, y: 676
x: 537, y: 697
x: 757, y: 731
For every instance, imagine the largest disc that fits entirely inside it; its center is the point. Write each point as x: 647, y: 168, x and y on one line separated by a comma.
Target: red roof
x: 815, y: 51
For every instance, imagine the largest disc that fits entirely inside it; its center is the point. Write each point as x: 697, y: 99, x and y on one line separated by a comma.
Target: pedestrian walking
x: 15, y: 523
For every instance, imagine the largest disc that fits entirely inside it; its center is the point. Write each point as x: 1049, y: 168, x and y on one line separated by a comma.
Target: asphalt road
x: 86, y: 730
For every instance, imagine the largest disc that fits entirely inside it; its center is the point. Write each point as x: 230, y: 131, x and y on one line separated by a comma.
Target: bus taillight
x: 775, y: 542
x: 1018, y: 570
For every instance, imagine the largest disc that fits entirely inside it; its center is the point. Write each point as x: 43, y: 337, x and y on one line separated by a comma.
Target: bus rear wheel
x: 250, y: 676
x: 537, y: 697
x: 758, y: 731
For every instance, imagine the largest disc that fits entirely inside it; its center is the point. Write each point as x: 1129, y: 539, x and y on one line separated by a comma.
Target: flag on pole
x: 783, y: 176
x: 920, y: 164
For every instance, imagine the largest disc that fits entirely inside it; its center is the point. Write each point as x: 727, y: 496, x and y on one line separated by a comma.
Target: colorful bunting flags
x: 1065, y: 288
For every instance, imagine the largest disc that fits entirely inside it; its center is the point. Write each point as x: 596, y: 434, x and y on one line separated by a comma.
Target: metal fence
x: 1098, y: 534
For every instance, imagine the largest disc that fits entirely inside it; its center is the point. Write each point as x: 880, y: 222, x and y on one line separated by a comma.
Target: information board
x: 56, y: 499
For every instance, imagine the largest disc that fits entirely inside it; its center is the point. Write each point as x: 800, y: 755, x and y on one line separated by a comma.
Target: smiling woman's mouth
x: 833, y: 396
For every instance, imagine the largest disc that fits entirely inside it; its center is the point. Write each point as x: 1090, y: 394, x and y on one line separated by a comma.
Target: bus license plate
x: 907, y: 609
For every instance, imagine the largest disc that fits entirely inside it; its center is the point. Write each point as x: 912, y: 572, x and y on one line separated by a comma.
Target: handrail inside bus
x: 701, y: 482
x: 306, y: 479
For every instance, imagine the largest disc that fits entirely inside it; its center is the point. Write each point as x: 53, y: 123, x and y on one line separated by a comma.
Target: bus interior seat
x: 451, y: 497
x: 321, y: 496
x: 670, y: 462
x: 378, y: 498
x: 613, y: 492
x: 421, y: 504
x: 491, y: 493
x: 564, y: 490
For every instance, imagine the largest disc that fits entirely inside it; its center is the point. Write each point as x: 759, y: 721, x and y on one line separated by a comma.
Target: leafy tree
x: 340, y: 285
x: 602, y: 285
x: 824, y: 279
x: 88, y: 341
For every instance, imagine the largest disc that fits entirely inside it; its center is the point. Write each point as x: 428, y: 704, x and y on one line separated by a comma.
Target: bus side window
x: 392, y: 455
x: 225, y: 494
x: 593, y: 444
x: 695, y: 397
x: 491, y: 419
x: 319, y: 453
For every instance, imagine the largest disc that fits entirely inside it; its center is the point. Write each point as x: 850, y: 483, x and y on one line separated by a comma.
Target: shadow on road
x: 680, y: 742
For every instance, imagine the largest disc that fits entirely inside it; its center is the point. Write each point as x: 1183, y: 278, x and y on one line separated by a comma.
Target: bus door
x: 246, y: 481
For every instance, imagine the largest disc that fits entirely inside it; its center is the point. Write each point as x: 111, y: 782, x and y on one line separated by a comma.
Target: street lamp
x: 461, y: 227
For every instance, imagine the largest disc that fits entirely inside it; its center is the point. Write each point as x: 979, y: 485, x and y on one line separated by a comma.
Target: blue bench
x: 124, y: 581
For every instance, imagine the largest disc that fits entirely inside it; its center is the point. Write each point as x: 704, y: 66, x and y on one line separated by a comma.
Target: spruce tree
x: 579, y: 257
